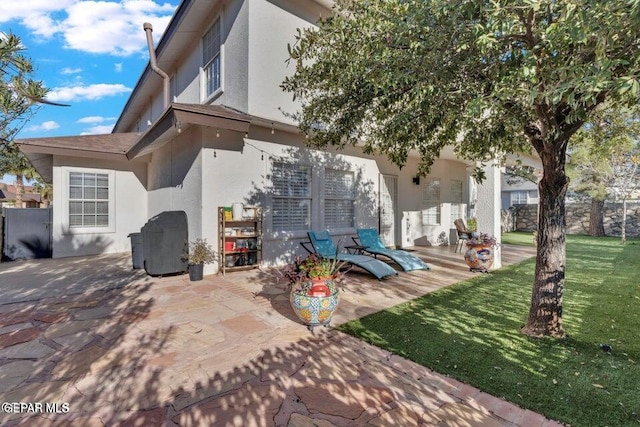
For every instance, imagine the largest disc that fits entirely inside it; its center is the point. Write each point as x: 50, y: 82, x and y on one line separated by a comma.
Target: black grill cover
x: 164, y: 242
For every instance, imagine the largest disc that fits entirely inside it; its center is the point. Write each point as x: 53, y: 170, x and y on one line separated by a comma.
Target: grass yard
x: 470, y: 331
x: 518, y: 238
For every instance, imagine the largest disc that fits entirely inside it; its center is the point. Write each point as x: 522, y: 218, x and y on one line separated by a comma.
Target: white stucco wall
x: 129, y: 207
x: 187, y: 76
x: 488, y: 208
x: 236, y: 169
x: 175, y: 179
x: 273, y: 25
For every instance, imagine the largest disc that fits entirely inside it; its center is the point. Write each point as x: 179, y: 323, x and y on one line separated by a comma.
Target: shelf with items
x: 240, y: 239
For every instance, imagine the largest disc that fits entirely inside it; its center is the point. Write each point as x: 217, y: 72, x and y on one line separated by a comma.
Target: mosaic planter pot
x: 479, y: 257
x: 315, y: 310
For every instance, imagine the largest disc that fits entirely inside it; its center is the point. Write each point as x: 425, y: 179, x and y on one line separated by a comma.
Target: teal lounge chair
x: 323, y: 245
x: 370, y: 240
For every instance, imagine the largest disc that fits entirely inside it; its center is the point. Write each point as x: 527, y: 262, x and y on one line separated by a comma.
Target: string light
x: 272, y: 129
x: 217, y: 133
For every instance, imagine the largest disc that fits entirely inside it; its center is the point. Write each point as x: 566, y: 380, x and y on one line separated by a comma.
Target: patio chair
x: 369, y: 239
x: 464, y: 233
x: 323, y: 245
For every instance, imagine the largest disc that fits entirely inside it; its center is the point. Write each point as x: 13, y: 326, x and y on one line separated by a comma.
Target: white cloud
x: 90, y: 92
x: 109, y: 27
x: 92, y: 119
x: 45, y: 126
x: 69, y: 70
x: 98, y: 130
x: 118, y: 67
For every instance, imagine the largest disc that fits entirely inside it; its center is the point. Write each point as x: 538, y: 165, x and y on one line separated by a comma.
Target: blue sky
x: 89, y: 54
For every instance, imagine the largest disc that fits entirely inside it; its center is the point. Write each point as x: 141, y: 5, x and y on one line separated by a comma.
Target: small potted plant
x: 479, y: 254
x: 199, y: 253
x: 314, y: 294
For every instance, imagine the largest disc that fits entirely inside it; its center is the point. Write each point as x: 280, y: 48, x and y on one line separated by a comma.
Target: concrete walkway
x: 96, y: 343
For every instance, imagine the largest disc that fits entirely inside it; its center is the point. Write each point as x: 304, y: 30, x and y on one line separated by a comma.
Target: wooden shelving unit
x: 240, y: 240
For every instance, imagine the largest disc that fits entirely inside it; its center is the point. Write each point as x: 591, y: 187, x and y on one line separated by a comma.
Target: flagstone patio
x: 123, y: 348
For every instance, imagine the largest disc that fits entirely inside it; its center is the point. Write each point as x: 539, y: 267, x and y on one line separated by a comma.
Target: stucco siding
x: 236, y: 169
x: 175, y: 180
x: 129, y: 205
x: 273, y: 25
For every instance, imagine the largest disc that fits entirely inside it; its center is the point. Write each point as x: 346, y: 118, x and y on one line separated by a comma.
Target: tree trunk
x: 19, y: 190
x: 623, y: 230
x: 596, y: 221
x: 545, y: 313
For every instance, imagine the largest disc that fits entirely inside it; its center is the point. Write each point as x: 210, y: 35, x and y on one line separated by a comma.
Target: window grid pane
x: 88, y: 199
x: 291, y: 188
x: 456, y: 199
x: 431, y: 202
x: 519, y: 198
x: 211, y: 58
x: 339, y: 203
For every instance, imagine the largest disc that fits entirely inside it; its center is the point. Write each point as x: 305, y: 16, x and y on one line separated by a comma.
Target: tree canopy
x: 604, y: 158
x: 600, y: 150
x: 19, y: 92
x: 486, y: 77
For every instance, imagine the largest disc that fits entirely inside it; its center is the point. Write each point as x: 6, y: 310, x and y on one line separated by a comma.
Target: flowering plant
x: 482, y: 239
x: 302, y: 271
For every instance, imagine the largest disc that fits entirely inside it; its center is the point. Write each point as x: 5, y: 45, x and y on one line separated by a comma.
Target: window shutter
x: 291, y: 188
x: 339, y: 193
x: 431, y: 202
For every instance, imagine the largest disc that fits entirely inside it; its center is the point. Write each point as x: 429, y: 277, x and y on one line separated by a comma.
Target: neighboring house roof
x: 8, y: 193
x: 40, y: 151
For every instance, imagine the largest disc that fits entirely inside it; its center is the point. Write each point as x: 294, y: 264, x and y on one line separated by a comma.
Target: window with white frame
x: 291, y: 201
x: 431, y: 202
x: 88, y: 200
x: 339, y: 199
x: 211, y: 61
x: 455, y: 196
x: 518, y: 197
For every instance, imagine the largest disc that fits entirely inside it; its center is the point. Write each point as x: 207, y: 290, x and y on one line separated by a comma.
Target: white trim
x: 204, y: 97
x: 66, y: 229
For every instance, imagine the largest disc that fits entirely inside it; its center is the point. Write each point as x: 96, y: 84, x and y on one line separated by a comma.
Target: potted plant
x: 479, y: 254
x: 199, y: 253
x: 314, y: 294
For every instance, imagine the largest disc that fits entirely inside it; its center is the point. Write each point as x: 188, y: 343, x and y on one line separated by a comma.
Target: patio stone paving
x: 123, y: 348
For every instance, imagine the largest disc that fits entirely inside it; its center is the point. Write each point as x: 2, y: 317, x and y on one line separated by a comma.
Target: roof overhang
x: 40, y: 151
x: 177, y: 117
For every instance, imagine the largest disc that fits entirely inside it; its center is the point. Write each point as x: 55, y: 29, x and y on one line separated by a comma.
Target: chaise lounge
x: 323, y: 245
x: 370, y: 240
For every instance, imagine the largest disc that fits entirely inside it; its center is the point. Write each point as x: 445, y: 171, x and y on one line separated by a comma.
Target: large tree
x: 486, y: 77
x: 20, y: 95
x: 601, y: 165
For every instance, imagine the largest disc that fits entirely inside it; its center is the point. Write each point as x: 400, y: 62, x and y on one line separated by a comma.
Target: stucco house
x: 214, y: 132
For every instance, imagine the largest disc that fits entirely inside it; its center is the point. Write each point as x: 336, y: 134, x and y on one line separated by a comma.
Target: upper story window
x: 291, y: 197
x: 211, y: 61
x: 339, y: 199
x: 88, y: 200
x: 431, y: 202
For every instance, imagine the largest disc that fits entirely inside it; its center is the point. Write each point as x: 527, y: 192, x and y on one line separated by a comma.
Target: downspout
x: 148, y: 28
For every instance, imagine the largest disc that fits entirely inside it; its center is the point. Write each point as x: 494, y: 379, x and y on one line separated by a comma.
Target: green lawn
x: 470, y: 331
x: 518, y: 238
